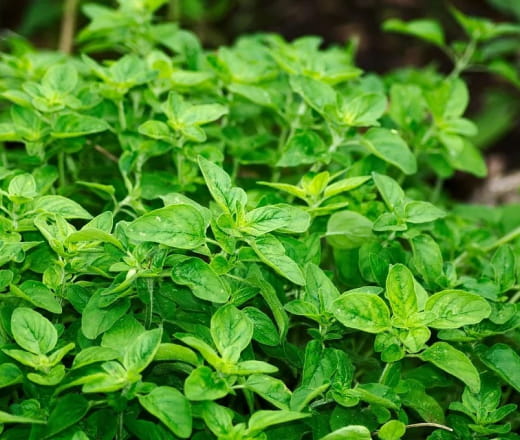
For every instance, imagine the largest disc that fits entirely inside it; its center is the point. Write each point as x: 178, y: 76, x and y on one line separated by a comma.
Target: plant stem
x: 121, y: 114
x: 68, y: 24
x: 174, y: 11
x: 61, y: 168
x: 149, y: 309
x: 429, y: 425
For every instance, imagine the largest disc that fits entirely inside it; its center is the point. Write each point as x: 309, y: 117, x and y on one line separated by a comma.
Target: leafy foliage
x: 246, y: 244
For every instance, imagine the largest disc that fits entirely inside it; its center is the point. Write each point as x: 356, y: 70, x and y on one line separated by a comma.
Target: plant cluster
x: 248, y: 244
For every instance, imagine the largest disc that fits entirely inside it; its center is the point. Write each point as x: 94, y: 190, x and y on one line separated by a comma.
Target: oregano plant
x: 249, y: 243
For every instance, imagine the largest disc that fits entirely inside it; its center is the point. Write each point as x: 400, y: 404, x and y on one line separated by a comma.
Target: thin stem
x: 463, y: 62
x: 429, y: 425
x: 174, y: 10
x: 106, y: 153
x: 149, y: 309
x: 121, y: 114
x: 514, y: 298
x: 437, y: 190
x: 515, y: 233
x: 68, y: 24
x: 61, y: 168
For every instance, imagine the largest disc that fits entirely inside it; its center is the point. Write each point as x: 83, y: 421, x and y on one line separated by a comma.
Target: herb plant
x: 251, y: 243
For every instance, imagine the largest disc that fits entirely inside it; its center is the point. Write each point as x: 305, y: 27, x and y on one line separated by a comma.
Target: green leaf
x: 155, y: 130
x: 96, y: 319
x: 454, y: 362
x: 271, y: 389
x: 205, y: 384
x: 67, y: 208
x: 32, y: 331
x: 272, y: 253
x: 201, y: 279
x: 231, y: 331
x: 348, y: 230
x: 11, y: 418
x: 94, y: 354
x: 261, y: 420
x: 422, y: 212
x: 504, y: 361
x: 218, y: 418
x: 175, y: 352
x: 456, y: 308
x: 202, y: 114
x: 142, y: 350
x: 10, y: 374
x: 504, y: 264
x: 255, y: 94
x: 362, y: 109
x: 392, y: 430
x: 392, y: 193
x: 22, y: 188
x: 427, y: 259
x: 303, y: 147
x: 344, y: 185
x: 362, y: 311
x: 352, y: 432
x: 318, y: 95
x: 69, y: 410
x: 171, y: 408
x: 178, y: 226
x: 264, y: 330
x: 62, y: 78
x: 390, y: 147
x: 428, y: 30
x: 400, y: 291
x: 282, y: 217
x: 74, y: 124
x: 38, y: 294
x: 220, y: 187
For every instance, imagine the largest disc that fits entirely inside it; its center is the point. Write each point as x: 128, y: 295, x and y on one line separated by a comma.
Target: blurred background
x: 495, y: 103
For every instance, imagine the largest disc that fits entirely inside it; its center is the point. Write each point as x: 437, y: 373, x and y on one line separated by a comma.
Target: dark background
x: 219, y: 22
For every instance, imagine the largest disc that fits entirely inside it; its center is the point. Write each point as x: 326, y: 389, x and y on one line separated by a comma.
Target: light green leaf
x: 362, y: 109
x: 220, y: 187
x: 390, y: 147
x: 205, y: 384
x: 504, y: 361
x: 428, y: 30
x: 454, y: 362
x: 422, y: 212
x: 142, y: 350
x: 32, y: 331
x: 282, y: 217
x: 318, y: 95
x: 231, y: 331
x: 171, y: 408
x: 74, y: 124
x: 178, y: 226
x: 272, y: 253
x: 352, y: 432
x: 363, y: 311
x: 456, y: 308
x: 11, y: 418
x: 348, y: 230
x: 67, y: 208
x: 400, y: 291
x: 200, y: 278
x: 155, y: 130
x: 22, y: 188
x: 261, y: 420
x: 61, y: 78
